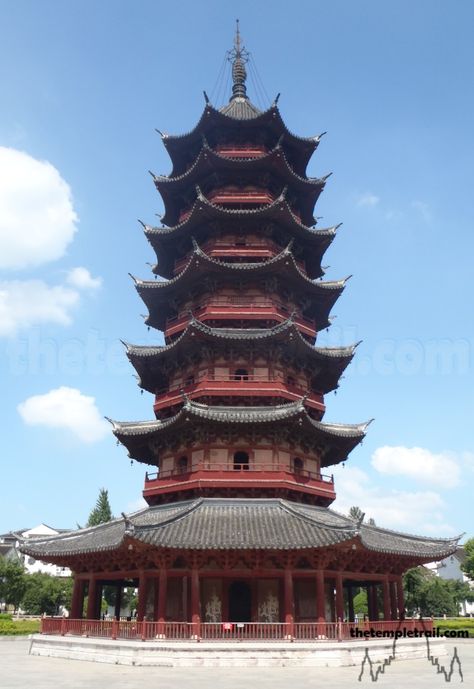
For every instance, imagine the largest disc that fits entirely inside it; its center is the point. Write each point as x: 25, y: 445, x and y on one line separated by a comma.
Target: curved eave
x: 163, y: 240
x: 237, y: 524
x: 154, y: 292
x: 306, y: 191
x: 176, y: 145
x: 209, y: 160
x: 101, y: 538
x: 147, y: 360
x: 424, y: 549
x: 338, y: 439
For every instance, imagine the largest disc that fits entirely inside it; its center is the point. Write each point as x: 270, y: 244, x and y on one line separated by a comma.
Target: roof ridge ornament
x: 238, y: 57
x: 129, y: 525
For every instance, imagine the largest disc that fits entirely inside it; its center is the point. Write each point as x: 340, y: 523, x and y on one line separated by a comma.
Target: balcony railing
x: 225, y: 250
x: 240, y: 308
x: 209, y: 383
x: 229, y: 631
x: 245, y: 151
x: 241, y: 196
x: 300, y: 475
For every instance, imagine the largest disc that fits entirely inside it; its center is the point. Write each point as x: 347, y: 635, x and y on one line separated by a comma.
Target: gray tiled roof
x: 238, y: 524
x: 214, y: 160
x: 152, y: 363
x: 277, y: 208
x: 211, y: 117
x: 239, y: 415
x: 311, y: 242
x: 284, y: 256
x: 240, y: 109
x: 320, y: 295
x: 336, y: 441
x: 244, y: 334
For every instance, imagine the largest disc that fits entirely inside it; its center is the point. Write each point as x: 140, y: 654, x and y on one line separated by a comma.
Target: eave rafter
x: 209, y: 162
x: 272, y: 526
x: 320, y: 295
x: 301, y: 148
x: 164, y: 240
x: 338, y: 439
x: 153, y: 363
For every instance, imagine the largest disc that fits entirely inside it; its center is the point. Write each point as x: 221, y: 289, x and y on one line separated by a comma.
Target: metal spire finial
x: 238, y: 56
x: 237, y: 37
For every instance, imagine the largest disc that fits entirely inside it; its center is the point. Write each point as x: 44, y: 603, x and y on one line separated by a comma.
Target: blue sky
x: 84, y: 84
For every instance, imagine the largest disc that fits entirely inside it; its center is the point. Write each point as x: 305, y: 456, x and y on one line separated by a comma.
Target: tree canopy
x: 356, y: 513
x: 468, y: 564
x: 102, y: 511
x: 429, y: 595
x: 12, y: 582
x: 46, y: 594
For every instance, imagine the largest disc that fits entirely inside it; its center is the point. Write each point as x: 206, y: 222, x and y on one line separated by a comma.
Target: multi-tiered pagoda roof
x: 238, y: 441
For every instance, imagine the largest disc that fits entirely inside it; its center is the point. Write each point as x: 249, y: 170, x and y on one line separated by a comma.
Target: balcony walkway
x: 234, y: 631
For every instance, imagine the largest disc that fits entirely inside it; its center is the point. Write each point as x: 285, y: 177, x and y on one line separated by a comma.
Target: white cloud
x: 66, y: 408
x: 419, y: 464
x: 37, y: 217
x: 82, y: 279
x: 413, y: 512
x: 24, y: 303
x: 367, y: 200
x: 136, y: 505
x: 423, y: 209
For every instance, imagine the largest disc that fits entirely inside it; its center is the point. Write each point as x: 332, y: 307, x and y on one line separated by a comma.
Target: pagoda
x: 237, y: 530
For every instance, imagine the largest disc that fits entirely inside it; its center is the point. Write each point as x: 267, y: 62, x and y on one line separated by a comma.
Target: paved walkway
x: 18, y: 669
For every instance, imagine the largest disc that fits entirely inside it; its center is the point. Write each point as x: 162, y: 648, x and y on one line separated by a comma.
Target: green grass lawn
x: 464, y: 623
x: 11, y: 627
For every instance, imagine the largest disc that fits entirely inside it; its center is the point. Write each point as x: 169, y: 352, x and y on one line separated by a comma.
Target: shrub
x: 18, y: 627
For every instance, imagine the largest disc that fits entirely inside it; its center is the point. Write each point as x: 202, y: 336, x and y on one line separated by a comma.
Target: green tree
x: 102, y: 511
x: 461, y: 591
x: 46, y: 594
x: 361, y: 606
x: 429, y: 595
x: 437, y: 599
x: 12, y: 582
x: 356, y: 513
x: 468, y: 564
x: 413, y: 581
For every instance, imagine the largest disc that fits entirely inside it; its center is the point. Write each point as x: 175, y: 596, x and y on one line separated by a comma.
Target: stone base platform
x: 230, y: 654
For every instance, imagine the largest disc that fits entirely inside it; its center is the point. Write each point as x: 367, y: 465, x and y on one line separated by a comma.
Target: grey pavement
x: 19, y: 669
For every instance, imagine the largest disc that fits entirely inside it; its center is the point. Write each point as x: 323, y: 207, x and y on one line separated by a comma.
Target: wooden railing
x: 228, y: 631
x: 300, y: 474
x: 216, y: 384
x: 241, y: 196
x: 245, y: 151
x: 239, y: 308
x: 260, y: 250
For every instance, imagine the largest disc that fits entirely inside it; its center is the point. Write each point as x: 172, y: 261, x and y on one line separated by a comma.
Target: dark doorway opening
x: 240, y: 602
x: 241, y: 461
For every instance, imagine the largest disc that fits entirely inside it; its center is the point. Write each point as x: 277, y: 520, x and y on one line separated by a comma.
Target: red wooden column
x: 77, y: 602
x: 195, y: 603
x: 393, y: 600
x: 142, y: 596
x: 288, y: 601
x: 161, y: 608
x: 254, y: 590
x: 350, y: 603
x: 387, y: 612
x: 339, y: 598
x: 400, y: 598
x: 320, y: 597
x: 373, y: 602
x: 92, y: 600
